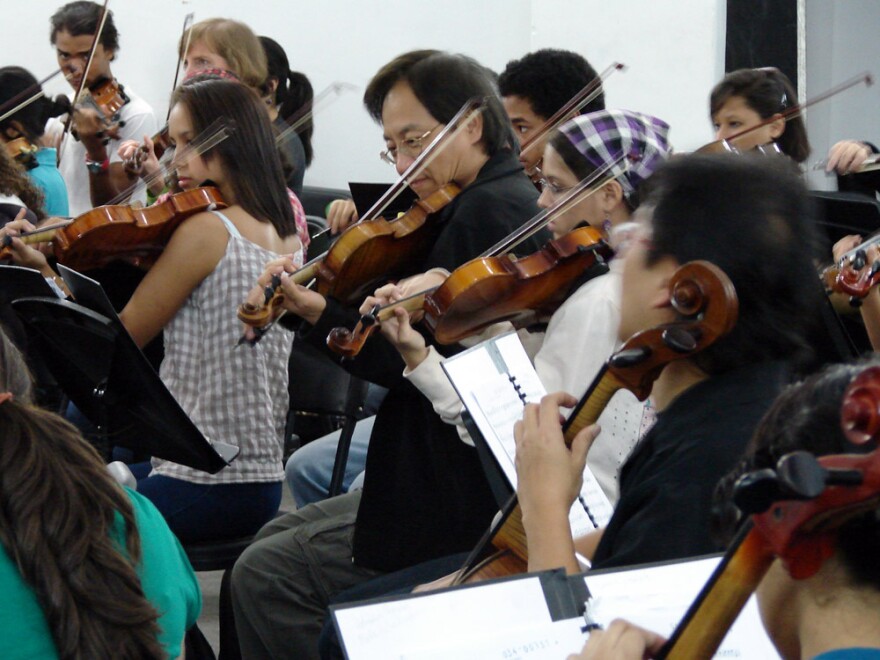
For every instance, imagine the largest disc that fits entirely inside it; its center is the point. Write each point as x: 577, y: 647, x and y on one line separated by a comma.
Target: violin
x: 498, y: 287
x: 22, y: 152
x: 123, y: 233
x: 851, y: 274
x: 489, y: 290
x: 374, y: 249
x: 107, y: 97
x: 796, y: 511
x: 707, y: 304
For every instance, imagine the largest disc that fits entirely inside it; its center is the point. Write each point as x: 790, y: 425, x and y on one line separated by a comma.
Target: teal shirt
x: 48, y: 179
x: 166, y: 576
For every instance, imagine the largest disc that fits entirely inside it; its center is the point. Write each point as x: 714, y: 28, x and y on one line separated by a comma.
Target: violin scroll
x: 348, y: 343
x: 258, y: 316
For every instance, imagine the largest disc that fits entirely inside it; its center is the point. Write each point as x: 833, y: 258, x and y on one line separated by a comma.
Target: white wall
x: 841, y: 41
x: 674, y: 50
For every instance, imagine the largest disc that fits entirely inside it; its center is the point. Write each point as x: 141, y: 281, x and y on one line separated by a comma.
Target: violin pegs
x: 860, y: 410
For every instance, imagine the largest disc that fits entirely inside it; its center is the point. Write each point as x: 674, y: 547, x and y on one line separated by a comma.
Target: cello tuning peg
x: 798, y: 476
x: 679, y: 340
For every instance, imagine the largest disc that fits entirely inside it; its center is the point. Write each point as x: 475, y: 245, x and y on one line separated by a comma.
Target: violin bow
x: 82, y: 83
x: 573, y: 106
x: 577, y: 194
x: 796, y: 110
x: 456, y: 125
x: 323, y: 100
x: 213, y: 135
x: 185, y: 36
x: 36, y: 90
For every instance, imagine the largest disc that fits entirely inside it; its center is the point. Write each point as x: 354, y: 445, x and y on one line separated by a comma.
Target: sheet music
x: 493, y: 381
x: 416, y: 625
x: 657, y: 597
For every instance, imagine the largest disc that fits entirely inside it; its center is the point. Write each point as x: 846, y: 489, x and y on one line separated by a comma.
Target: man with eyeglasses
x: 425, y: 495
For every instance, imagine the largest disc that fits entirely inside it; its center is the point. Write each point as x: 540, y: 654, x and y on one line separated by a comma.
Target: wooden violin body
x: 706, y: 301
x: 135, y: 235
x: 493, y: 289
x: 368, y: 252
x: 375, y: 251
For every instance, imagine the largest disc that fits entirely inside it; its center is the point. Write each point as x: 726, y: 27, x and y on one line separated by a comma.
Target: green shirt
x: 166, y: 576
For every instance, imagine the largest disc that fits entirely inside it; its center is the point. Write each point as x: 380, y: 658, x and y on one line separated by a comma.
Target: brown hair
x: 58, y: 506
x: 14, y: 181
x: 236, y: 43
x: 767, y: 91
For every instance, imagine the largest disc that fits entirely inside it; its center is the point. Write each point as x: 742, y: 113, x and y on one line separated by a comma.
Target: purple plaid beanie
x: 601, y: 137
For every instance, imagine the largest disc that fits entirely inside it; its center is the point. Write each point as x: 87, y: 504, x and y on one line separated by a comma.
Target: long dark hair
x: 58, y: 507
x: 767, y: 91
x: 15, y: 81
x: 248, y: 155
x: 293, y: 93
x: 807, y: 417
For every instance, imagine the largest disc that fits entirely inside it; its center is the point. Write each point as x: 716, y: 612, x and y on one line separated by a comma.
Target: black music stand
x: 100, y: 368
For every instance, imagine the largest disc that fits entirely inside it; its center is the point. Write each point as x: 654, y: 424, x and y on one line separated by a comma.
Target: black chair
x: 315, y: 199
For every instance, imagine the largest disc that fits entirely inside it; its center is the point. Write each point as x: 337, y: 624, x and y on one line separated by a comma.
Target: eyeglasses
x: 411, y: 147
x: 552, y: 188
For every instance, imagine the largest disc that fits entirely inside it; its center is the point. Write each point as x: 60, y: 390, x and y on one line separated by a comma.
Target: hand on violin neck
x: 92, y: 131
x: 17, y: 251
x: 409, y: 343
x: 549, y: 474
x: 340, y: 214
x: 303, y: 302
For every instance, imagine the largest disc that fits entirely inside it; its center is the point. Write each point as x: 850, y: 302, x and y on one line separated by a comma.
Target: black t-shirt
x: 425, y: 494
x: 666, y: 485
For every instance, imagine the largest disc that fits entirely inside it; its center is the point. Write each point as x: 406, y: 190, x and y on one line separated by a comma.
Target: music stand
x: 100, y: 368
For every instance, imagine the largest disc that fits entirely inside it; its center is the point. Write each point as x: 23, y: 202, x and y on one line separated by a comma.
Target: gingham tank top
x: 233, y: 395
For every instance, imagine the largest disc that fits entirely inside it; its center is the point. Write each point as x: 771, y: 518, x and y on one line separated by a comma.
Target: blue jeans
x: 310, y: 468
x: 209, y: 512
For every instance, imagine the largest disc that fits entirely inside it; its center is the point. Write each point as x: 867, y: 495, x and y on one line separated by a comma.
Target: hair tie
x: 5, y: 396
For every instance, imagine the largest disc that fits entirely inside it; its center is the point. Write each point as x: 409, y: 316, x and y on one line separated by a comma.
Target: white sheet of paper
x: 496, y: 406
x: 657, y: 598
x: 548, y: 641
x: 386, y: 630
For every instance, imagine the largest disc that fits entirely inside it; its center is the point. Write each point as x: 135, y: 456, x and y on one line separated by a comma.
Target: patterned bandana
x: 601, y: 137
x: 210, y: 74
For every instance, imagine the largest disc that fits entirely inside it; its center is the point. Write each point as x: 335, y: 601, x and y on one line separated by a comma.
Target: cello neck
x: 604, y: 386
x: 704, y: 626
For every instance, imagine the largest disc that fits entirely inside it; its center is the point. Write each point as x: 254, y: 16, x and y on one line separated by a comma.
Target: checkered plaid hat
x: 601, y: 137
